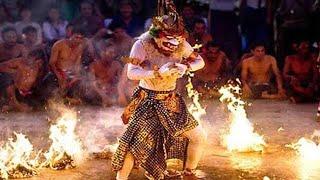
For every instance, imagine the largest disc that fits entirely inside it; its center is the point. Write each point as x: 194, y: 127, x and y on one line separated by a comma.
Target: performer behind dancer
x: 159, y: 124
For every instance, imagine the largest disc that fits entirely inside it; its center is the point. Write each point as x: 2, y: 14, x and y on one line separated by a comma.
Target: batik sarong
x: 153, y: 134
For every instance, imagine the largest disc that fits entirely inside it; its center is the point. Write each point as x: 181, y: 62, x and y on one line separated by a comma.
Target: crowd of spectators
x: 74, y: 49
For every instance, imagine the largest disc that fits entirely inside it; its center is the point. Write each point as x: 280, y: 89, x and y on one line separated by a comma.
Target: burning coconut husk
x: 18, y: 159
x: 241, y: 136
x: 66, y: 150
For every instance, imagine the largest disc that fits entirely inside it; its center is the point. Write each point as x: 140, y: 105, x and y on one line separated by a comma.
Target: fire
x: 241, y: 137
x: 309, y: 155
x: 195, y: 107
x: 18, y: 159
x: 66, y: 150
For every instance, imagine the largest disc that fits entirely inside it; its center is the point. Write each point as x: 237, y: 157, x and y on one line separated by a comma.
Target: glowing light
x: 18, y: 159
x: 241, y: 136
x: 66, y: 150
x: 309, y: 156
x: 195, y: 107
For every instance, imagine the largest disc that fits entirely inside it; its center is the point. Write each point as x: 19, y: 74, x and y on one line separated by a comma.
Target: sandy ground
x: 101, y: 126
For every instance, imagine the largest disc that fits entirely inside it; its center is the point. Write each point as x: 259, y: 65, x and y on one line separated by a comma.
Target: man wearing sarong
x: 159, y: 124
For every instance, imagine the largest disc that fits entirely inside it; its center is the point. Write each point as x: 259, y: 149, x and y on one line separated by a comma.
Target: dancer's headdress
x: 167, y: 20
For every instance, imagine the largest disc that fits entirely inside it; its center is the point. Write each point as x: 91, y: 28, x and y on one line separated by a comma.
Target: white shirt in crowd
x: 52, y: 32
x: 21, y: 25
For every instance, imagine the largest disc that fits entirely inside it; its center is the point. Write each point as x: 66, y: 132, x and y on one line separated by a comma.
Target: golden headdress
x: 167, y: 20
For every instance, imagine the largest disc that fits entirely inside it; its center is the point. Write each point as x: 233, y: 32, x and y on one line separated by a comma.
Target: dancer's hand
x: 168, y: 69
x: 181, y: 69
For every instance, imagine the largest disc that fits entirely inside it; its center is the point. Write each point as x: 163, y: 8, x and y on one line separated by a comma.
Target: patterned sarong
x: 153, y: 134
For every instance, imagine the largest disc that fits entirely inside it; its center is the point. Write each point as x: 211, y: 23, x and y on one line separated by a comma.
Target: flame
x: 66, y: 149
x: 241, y: 137
x: 195, y: 107
x: 18, y: 159
x: 309, y: 156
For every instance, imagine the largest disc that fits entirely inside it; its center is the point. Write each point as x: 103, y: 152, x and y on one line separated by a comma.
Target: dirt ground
x: 101, y: 126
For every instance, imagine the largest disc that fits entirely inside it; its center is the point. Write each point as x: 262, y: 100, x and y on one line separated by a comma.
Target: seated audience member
x: 10, y: 49
x: 105, y: 73
x: 132, y: 24
x: 256, y: 75
x: 299, y: 74
x: 20, y: 74
x: 199, y: 34
x: 189, y: 16
x: 119, y: 44
x: 214, y: 73
x: 97, y: 45
x: 88, y: 19
x: 65, y: 61
x: 26, y: 20
x: 30, y: 39
x: 5, y: 20
x: 54, y: 28
x: 238, y: 65
x: 125, y: 87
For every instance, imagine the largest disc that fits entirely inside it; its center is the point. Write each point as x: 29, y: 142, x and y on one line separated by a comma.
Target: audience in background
x: 120, y: 43
x: 88, y: 55
x: 293, y: 20
x: 224, y: 27
x: 256, y: 74
x: 88, y: 20
x: 105, y: 74
x: 30, y: 38
x: 299, y: 74
x: 199, y: 34
x: 54, y: 27
x: 10, y: 48
x: 26, y: 20
x: 4, y: 20
x: 20, y: 75
x: 65, y: 62
x: 256, y: 21
x: 209, y: 79
x: 132, y: 24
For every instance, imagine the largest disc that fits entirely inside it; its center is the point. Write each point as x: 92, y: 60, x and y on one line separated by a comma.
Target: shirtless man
x: 299, y: 73
x: 24, y: 74
x: 30, y: 38
x: 10, y: 49
x: 65, y: 60
x: 119, y: 44
x: 256, y: 75
x: 214, y: 73
x: 105, y: 75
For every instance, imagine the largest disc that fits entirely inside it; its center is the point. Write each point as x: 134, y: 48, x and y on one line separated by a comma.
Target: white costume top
x: 144, y: 50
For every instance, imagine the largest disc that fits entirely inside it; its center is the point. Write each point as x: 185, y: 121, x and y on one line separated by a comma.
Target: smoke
x: 101, y: 128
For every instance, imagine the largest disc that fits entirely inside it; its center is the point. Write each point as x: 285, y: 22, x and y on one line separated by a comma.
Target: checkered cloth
x: 153, y: 132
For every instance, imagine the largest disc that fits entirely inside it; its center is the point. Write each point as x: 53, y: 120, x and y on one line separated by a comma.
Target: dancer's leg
x: 197, y: 141
x: 125, y: 171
